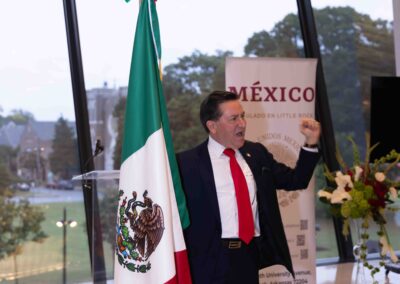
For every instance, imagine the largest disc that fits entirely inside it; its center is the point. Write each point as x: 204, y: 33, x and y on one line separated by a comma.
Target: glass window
x: 39, y: 152
x: 194, y: 48
x: 356, y: 41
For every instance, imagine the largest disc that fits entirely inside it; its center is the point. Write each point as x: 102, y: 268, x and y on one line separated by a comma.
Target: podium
x: 103, y: 188
x: 98, y: 175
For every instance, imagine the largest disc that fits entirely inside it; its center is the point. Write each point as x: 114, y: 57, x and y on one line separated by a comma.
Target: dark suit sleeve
x: 285, y: 177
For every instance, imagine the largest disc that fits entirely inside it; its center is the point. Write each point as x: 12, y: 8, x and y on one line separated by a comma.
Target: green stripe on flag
x: 142, y: 114
x: 145, y: 108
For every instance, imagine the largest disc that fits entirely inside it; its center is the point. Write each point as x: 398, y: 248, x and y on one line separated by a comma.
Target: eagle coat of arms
x: 140, y: 227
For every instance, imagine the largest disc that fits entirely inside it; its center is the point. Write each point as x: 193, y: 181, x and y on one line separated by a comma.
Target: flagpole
x: 154, y: 40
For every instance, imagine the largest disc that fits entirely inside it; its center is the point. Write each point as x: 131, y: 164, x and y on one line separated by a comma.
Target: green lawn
x: 43, y: 262
x: 326, y: 241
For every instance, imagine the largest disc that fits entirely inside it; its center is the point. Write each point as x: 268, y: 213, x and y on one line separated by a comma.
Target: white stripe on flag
x: 148, y: 169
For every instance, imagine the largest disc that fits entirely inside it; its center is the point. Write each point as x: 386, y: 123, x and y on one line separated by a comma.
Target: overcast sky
x: 34, y: 66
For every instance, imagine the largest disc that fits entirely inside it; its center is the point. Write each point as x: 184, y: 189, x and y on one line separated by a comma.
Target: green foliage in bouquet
x: 364, y: 192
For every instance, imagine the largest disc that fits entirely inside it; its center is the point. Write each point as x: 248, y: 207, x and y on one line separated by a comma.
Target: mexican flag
x: 151, y: 206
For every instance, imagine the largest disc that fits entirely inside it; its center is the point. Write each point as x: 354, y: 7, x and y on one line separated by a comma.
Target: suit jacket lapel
x: 250, y: 160
x: 207, y: 176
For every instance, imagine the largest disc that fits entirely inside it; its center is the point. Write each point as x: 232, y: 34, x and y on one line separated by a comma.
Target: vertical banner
x: 276, y: 93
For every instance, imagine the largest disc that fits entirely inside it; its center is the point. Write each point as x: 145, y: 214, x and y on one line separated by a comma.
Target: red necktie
x: 245, y: 214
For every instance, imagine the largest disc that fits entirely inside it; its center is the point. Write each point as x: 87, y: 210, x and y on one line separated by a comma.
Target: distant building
x: 35, y: 137
x: 103, y: 126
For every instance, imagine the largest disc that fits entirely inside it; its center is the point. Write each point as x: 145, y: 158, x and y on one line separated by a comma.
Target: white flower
x: 393, y: 192
x: 343, y: 180
x: 379, y: 176
x: 357, y: 175
x: 339, y: 195
x: 323, y: 193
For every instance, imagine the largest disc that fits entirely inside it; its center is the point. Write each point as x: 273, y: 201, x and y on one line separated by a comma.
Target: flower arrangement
x: 363, y: 192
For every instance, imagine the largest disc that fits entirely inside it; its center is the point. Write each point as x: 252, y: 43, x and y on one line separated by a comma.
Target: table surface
x: 346, y: 273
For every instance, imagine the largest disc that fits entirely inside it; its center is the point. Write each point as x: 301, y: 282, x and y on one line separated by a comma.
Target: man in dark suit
x: 219, y: 251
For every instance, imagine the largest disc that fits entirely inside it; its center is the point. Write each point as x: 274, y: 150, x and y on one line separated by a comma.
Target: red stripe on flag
x: 182, y: 275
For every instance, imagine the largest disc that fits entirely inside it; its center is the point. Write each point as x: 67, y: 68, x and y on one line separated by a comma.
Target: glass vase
x: 356, y: 228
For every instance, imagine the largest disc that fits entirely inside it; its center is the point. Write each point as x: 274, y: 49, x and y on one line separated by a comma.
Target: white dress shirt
x: 226, y: 189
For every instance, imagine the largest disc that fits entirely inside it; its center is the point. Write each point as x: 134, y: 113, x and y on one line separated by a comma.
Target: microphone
x: 98, y: 150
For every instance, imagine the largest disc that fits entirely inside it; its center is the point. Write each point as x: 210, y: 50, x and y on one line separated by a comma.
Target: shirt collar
x: 215, y: 149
